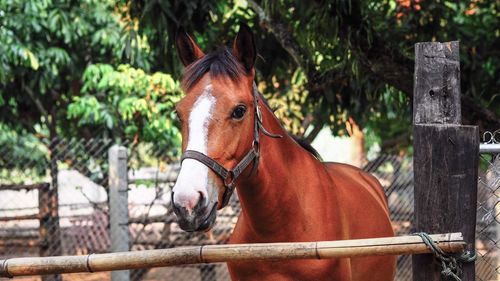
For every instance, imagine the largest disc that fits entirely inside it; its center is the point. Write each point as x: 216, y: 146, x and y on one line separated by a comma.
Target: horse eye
x: 238, y: 112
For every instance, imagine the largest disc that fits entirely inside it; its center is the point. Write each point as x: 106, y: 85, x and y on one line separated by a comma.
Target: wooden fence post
x: 118, y: 206
x: 446, y: 154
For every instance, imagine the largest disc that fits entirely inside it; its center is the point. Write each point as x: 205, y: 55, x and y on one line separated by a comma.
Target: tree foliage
x: 134, y: 104
x: 21, y: 154
x: 356, y: 56
x: 109, y: 68
x: 45, y: 47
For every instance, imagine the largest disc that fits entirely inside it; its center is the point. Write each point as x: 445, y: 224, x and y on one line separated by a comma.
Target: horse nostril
x: 177, y: 208
x: 201, y: 202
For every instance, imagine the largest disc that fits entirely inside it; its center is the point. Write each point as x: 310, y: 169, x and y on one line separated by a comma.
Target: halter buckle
x: 229, y: 180
x: 256, y: 146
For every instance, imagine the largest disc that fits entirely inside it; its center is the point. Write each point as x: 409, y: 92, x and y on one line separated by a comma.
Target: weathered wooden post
x: 118, y: 206
x: 446, y: 154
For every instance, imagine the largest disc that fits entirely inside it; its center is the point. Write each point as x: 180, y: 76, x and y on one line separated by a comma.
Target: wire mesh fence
x: 157, y: 222
x: 22, y: 175
x: 31, y: 224
x: 152, y: 222
x: 395, y: 174
x: 53, y: 199
x: 488, y: 223
x: 488, y: 212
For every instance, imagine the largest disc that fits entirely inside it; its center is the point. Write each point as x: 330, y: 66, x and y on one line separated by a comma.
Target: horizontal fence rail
x: 25, y: 187
x: 402, y: 245
x: 489, y: 148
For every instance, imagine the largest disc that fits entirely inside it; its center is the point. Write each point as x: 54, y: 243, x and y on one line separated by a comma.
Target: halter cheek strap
x: 229, y: 176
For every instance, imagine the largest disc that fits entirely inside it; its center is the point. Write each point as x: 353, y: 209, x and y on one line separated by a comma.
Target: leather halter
x: 229, y: 176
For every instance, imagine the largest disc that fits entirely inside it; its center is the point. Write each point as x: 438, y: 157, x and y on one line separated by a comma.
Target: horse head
x: 218, y: 126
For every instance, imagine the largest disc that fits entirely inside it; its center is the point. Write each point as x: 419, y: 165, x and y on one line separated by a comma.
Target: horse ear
x: 244, y: 47
x: 186, y: 47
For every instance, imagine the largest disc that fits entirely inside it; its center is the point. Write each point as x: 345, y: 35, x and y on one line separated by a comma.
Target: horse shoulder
x: 353, y: 178
x: 362, y: 200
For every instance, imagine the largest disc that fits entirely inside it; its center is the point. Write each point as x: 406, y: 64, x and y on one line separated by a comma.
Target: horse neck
x: 267, y: 196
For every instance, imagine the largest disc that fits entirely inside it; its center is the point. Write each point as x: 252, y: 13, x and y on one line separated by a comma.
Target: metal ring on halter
x: 230, y: 176
x: 256, y: 146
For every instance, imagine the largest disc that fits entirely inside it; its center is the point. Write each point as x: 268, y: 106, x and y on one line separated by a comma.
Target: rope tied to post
x: 4, y: 270
x: 451, y: 264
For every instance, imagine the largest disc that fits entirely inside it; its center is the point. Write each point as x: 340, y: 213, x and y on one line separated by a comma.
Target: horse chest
x: 293, y: 270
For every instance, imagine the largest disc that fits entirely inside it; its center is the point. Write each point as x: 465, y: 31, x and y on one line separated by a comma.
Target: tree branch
x: 391, y: 143
x: 383, y: 62
x: 36, y: 101
x: 314, y: 133
x: 283, y: 35
x: 396, y: 70
x: 317, y: 82
x: 392, y: 67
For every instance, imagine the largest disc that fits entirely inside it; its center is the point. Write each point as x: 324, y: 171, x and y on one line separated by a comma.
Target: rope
x: 4, y: 270
x: 451, y: 264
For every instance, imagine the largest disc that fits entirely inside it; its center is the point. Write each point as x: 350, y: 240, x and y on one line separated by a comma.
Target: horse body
x: 294, y: 197
x: 286, y: 193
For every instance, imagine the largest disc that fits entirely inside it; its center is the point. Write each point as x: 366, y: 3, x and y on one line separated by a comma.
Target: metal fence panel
x: 83, y: 209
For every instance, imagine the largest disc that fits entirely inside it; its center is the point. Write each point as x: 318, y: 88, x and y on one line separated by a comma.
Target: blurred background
x: 79, y: 76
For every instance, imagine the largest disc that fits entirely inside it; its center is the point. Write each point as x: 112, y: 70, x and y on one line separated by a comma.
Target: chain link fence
x: 152, y: 222
x: 53, y: 200
x: 21, y: 178
x: 32, y: 225
x: 488, y: 211
x: 395, y: 174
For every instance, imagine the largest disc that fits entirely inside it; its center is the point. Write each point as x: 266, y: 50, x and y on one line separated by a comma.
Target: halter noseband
x: 229, y: 176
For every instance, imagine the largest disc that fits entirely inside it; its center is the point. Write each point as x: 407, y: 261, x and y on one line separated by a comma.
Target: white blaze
x: 193, y: 176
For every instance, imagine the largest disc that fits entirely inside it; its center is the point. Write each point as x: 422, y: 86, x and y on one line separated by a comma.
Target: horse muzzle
x: 200, y: 218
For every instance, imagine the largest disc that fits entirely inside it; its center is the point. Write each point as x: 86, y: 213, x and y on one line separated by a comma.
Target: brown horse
x: 286, y: 193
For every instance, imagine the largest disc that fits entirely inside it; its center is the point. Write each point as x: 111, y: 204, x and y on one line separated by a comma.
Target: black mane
x: 220, y: 62
x: 307, y: 146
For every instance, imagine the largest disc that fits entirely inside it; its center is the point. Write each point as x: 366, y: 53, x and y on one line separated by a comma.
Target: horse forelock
x: 220, y: 62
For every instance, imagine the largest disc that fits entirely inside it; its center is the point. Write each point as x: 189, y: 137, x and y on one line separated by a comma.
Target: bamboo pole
x: 403, y: 245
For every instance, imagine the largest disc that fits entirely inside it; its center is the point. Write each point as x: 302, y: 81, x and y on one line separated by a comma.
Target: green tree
x: 129, y: 102
x: 46, y: 45
x: 321, y: 62
x: 356, y: 57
